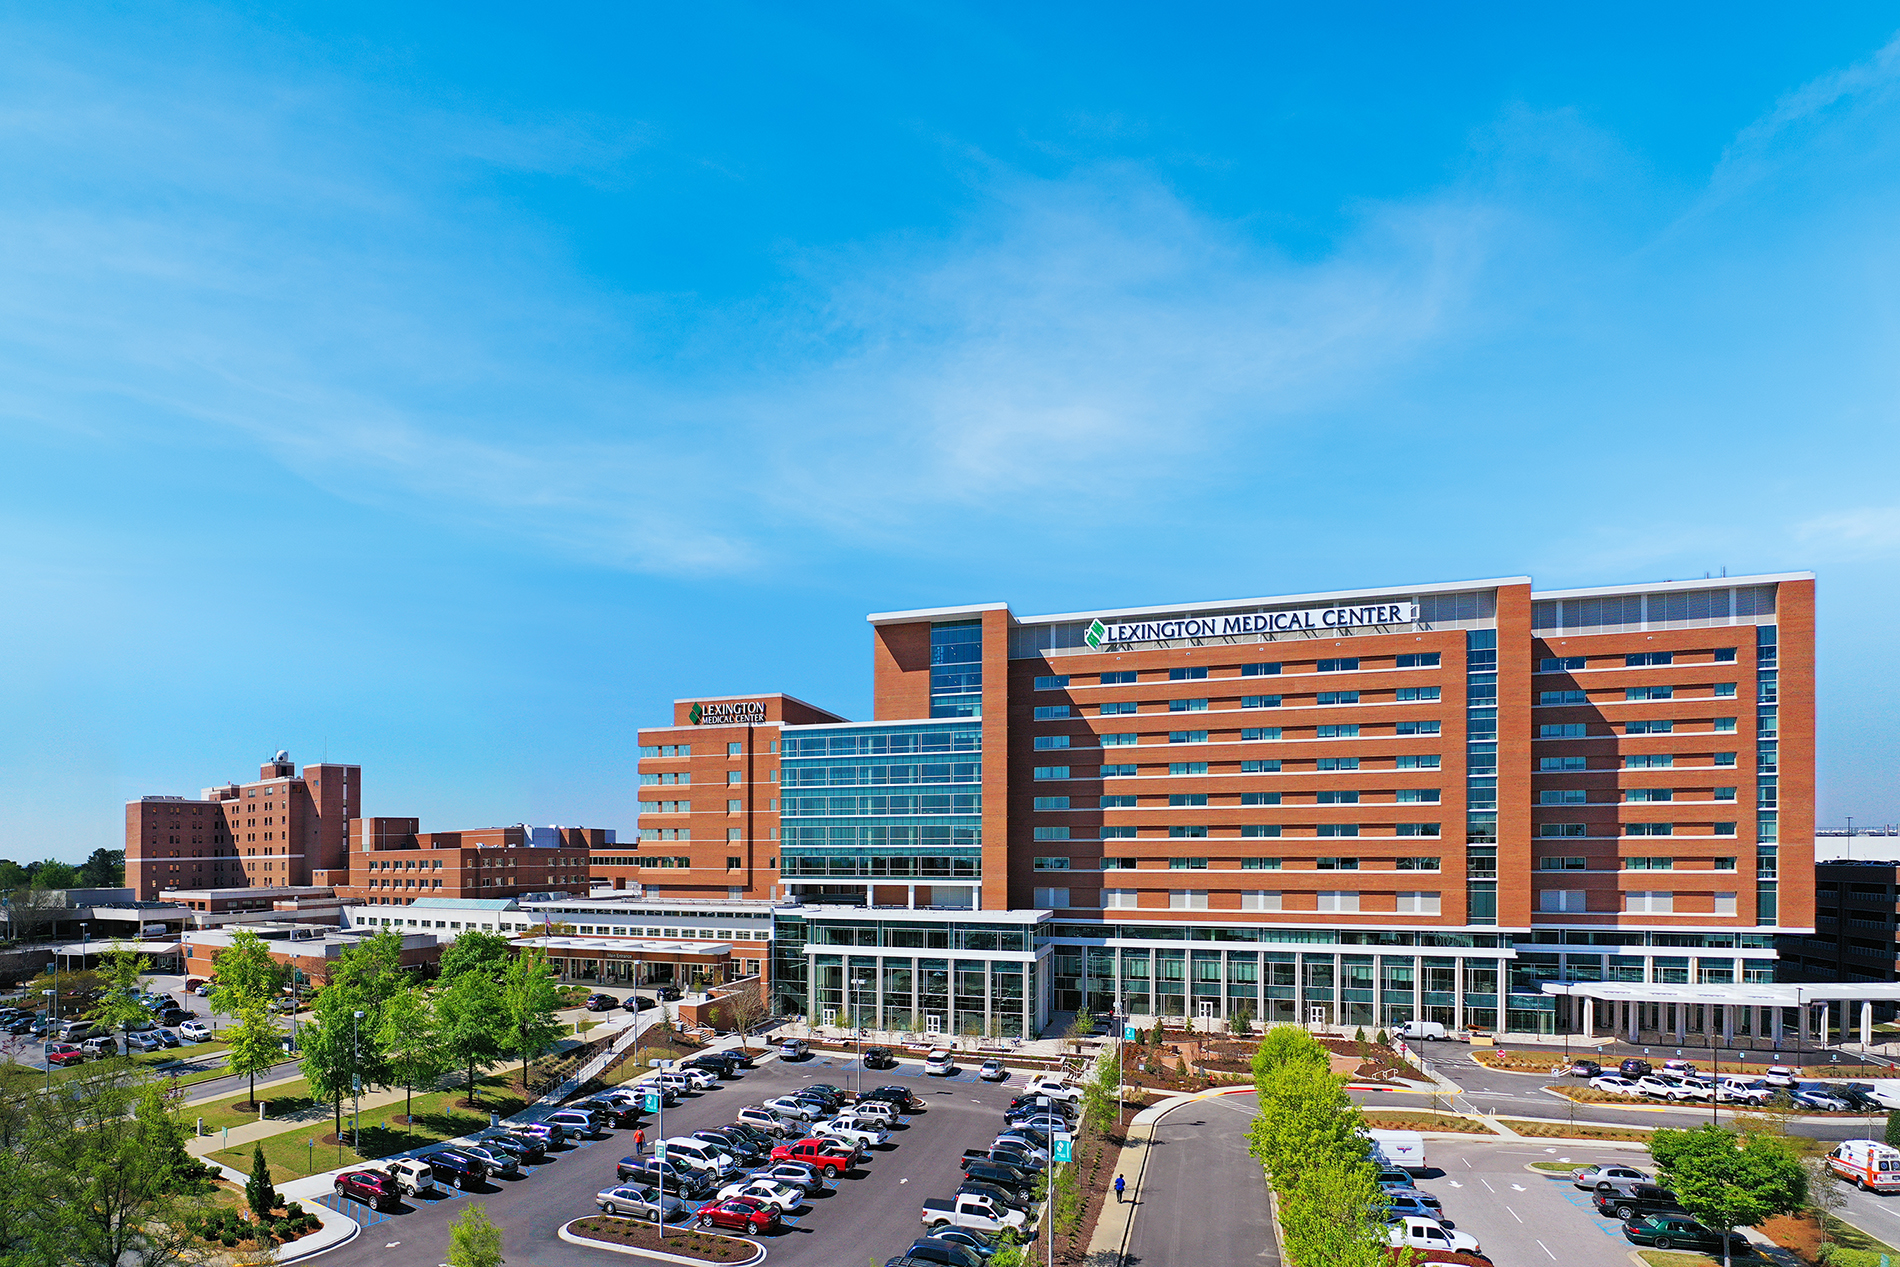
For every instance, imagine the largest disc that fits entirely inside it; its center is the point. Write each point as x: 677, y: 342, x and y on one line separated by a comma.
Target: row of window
x: 1403, y: 796
x: 1197, y: 831
x: 1633, y: 902
x: 1638, y: 761
x: 1581, y: 730
x: 1333, y: 901
x: 1638, y: 660
x: 1196, y: 673
x: 1128, y: 707
x: 1574, y: 863
x: 1631, y: 695
x: 1631, y: 796
x: 1629, y: 829
x: 1246, y: 864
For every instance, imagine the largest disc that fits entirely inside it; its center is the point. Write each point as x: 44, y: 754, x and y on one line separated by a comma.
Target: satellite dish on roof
x: 283, y: 754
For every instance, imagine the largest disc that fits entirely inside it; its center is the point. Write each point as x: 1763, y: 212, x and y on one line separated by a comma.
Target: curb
x: 658, y: 1255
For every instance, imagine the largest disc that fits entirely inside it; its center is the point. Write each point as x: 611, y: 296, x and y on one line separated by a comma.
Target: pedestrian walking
x: 1120, y: 1183
x: 639, y: 1142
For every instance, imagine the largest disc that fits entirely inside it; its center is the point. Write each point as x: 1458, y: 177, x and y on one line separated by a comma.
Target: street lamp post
x: 46, y: 1044
x: 857, y: 988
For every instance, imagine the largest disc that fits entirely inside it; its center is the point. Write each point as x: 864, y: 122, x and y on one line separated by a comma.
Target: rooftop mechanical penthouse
x: 1361, y: 806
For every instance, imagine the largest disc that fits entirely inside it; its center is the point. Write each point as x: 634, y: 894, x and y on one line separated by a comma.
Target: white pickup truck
x: 860, y: 1130
x: 967, y: 1209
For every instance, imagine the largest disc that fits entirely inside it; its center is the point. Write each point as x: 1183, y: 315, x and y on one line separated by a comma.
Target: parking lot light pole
x: 857, y: 986
x: 356, y: 1086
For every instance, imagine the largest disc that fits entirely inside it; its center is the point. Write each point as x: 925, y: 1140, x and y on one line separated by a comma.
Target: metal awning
x: 1748, y: 994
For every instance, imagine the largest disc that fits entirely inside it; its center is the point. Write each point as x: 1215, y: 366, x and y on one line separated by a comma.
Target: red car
x: 369, y: 1187
x: 739, y: 1214
x: 820, y: 1154
x: 63, y: 1054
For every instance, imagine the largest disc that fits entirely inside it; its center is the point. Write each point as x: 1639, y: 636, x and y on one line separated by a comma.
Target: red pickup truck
x: 820, y: 1154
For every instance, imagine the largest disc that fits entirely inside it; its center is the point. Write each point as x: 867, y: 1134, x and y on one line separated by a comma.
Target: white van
x: 1400, y: 1150
x: 1430, y: 1031
x: 1866, y: 1164
x: 684, y: 1150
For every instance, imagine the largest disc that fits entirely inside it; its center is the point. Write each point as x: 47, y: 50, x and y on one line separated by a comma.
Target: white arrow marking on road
x: 1454, y: 1183
x: 1517, y: 1187
x: 1550, y: 1150
x: 903, y: 1181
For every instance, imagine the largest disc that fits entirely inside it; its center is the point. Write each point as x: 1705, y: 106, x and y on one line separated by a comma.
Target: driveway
x: 1203, y: 1198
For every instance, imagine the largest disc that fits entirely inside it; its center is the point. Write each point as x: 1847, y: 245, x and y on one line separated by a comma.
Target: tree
x: 52, y: 874
x: 13, y: 875
x: 255, y: 1045
x: 412, y: 1038
x: 127, y: 1184
x: 530, y: 997
x: 122, y: 972
x: 1728, y: 1180
x: 1101, y: 1094
x: 259, y: 1193
x: 244, y: 975
x: 474, y: 1241
x: 104, y: 869
x: 1083, y: 1026
x: 1893, y: 1128
x: 474, y: 951
x: 744, y: 1010
x: 338, y: 1048
x: 472, y: 1024
x: 1286, y: 1045
x: 1240, y: 1023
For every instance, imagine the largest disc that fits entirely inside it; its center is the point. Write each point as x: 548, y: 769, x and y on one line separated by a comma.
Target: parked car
x: 499, y: 1161
x: 526, y: 1148
x: 993, y: 1071
x: 1587, y: 1177
x: 142, y: 1042
x: 827, y: 1158
x: 854, y: 1126
x: 196, y: 1031
x: 1743, y: 1091
x: 576, y: 1122
x: 1819, y: 1096
x: 969, y: 1238
x: 1423, y: 1233
x: 742, y: 1150
x: 1637, y: 1198
x: 1679, y: 1066
x: 940, y: 1063
x: 1780, y: 1076
x: 793, y: 1049
x: 1859, y: 1097
x: 1679, y: 1231
x: 601, y: 1002
x: 370, y: 1187
x: 697, y: 1152
x: 788, y: 1107
x: 1585, y: 1069
x: 764, y: 1141
x: 1615, y: 1083
x: 103, y: 1046
x: 642, y: 1203
x: 721, y: 1064
x: 997, y: 1193
x: 670, y: 993
x: 879, y: 1058
x: 165, y: 1037
x: 550, y: 1134
x: 764, y: 1119
x: 739, y: 1214
x: 59, y: 1055
x: 1693, y: 1087
x: 456, y: 1169
x: 637, y: 1003
x: 1011, y: 1180
x: 1020, y: 1156
x: 172, y: 1014
x: 685, y: 1181
x: 783, y: 1197
x: 411, y: 1177
x: 1634, y: 1068
x: 884, y: 1111
x: 903, y: 1097
x: 1412, y: 1201
x: 795, y: 1174
x: 936, y: 1253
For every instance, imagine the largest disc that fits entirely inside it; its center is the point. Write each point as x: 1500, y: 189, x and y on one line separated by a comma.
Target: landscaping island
x: 706, y: 1247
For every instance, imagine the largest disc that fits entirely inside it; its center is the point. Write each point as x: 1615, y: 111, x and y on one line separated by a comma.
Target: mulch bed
x: 1094, y: 1166
x: 1575, y: 1130
x: 705, y: 1246
x: 1404, y: 1121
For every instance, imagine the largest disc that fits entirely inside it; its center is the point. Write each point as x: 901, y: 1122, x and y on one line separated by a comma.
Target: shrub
x: 294, y: 1209
x: 1381, y: 1038
x: 229, y: 1239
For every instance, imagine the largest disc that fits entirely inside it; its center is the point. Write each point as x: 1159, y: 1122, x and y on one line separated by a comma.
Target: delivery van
x: 1398, y: 1150
x: 1868, y: 1165
x: 1430, y: 1031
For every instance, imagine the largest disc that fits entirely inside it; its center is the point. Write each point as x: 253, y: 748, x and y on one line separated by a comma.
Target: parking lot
x: 1525, y: 1216
x: 870, y: 1215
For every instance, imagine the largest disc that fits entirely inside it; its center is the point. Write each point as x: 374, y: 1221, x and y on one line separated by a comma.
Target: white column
x: 1866, y: 1024
x: 1682, y: 1022
x: 1801, y: 1021
x: 912, y: 890
x: 1589, y: 1017
x: 1774, y: 1023
x: 1635, y: 1019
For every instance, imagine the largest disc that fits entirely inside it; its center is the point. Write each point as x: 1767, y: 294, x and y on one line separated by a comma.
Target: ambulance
x: 1867, y: 1165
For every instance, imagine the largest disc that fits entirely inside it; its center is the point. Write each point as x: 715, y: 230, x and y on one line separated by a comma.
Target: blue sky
x: 447, y: 388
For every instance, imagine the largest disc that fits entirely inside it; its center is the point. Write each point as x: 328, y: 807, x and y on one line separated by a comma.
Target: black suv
x: 902, y: 1097
x: 453, y: 1167
x: 617, y: 1113
x: 714, y: 1062
x: 1634, y: 1200
x: 996, y: 1172
x: 1634, y: 1068
x: 879, y: 1058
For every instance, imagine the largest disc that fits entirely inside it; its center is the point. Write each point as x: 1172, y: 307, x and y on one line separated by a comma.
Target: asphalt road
x: 1203, y: 1198
x: 869, y: 1217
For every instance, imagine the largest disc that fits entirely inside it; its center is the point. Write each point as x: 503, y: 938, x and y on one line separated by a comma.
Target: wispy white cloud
x: 1868, y: 530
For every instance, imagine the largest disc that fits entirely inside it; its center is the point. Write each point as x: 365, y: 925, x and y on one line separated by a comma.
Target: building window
x: 1655, y: 761
x: 1187, y: 706
x: 1179, y: 800
x: 1259, y: 830
x: 1051, y: 864
x: 1640, y: 795
x: 1338, y: 829
x: 1325, y: 764
x: 1726, y: 725
x: 1338, y: 901
x: 1056, y: 899
x: 1724, y: 829
x: 1118, y: 864
x: 1649, y: 829
x: 1187, y: 767
x: 1051, y: 712
x: 734, y: 864
x: 1649, y: 903
x: 1571, y: 730
x: 1561, y: 901
x: 1048, y: 742
x: 1052, y: 833
x: 1120, y: 739
x: 1649, y: 864
x: 1551, y: 764
x: 1337, y: 864
x: 1419, y: 903
x: 1551, y: 699
x: 1562, y: 796
x: 1259, y: 864
x: 1119, y: 899
x: 1260, y: 701
x: 1725, y: 904
x: 1338, y: 697
x: 1348, y: 731
x: 1338, y: 798
x: 1260, y: 767
x: 1187, y: 833
x: 1259, y: 670
x: 1562, y: 864
x: 1117, y: 802
x: 1634, y: 694
x: 1417, y: 660
x: 1187, y: 864
x: 1052, y: 682
x: 1417, y: 694
x: 1417, y: 728
x: 1260, y: 798
x: 1121, y: 677
x: 733, y: 807
x: 1192, y: 674
x: 1052, y: 802
x: 1261, y: 732
x: 1343, y: 664
x: 1187, y: 899
x: 956, y: 669
x: 1724, y: 690
x: 1052, y: 771
x: 1261, y: 900
x: 1187, y: 736
x: 1416, y: 864
x: 1118, y: 772
x: 1415, y: 829
x: 1643, y: 659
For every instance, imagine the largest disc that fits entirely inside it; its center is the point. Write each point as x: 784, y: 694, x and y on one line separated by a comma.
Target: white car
x: 940, y: 1063
x: 796, y: 1110
x: 1619, y: 1085
x: 860, y: 1129
x: 1054, y: 1088
x: 1695, y: 1088
x: 1780, y: 1076
x: 1743, y: 1091
x: 681, y: 1081
x: 1423, y: 1233
x: 412, y: 1176
x: 702, y: 1079
x: 881, y: 1111
x: 195, y: 1031
x: 1662, y: 1088
x: 768, y: 1191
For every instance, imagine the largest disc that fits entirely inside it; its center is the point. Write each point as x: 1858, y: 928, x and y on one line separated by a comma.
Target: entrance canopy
x: 1750, y: 994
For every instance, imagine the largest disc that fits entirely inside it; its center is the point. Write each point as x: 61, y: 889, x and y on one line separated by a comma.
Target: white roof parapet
x: 1704, y: 583
x: 1281, y: 600
x: 1748, y: 994
x: 934, y: 613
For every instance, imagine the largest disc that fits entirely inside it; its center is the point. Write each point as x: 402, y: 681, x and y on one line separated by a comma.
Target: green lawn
x: 281, y: 1101
x: 436, y: 1120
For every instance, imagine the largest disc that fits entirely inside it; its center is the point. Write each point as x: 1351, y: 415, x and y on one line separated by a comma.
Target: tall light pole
x: 356, y: 1086
x: 857, y: 988
x: 46, y: 1044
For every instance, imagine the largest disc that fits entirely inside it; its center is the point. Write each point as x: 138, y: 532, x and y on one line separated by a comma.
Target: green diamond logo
x: 695, y: 715
x: 1094, y: 635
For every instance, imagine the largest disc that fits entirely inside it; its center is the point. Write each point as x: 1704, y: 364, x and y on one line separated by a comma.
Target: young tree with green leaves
x: 412, y: 1039
x: 1729, y: 1180
x: 104, y: 869
x: 244, y: 975
x: 472, y: 1024
x: 474, y: 951
x: 474, y: 1241
x: 337, y: 1047
x: 255, y: 1045
x: 259, y: 1193
x: 122, y: 973
x: 530, y: 997
x: 126, y: 1182
x: 1893, y: 1128
x: 1083, y: 1026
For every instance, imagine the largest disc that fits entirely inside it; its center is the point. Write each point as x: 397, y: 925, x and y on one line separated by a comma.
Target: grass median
x: 300, y: 1148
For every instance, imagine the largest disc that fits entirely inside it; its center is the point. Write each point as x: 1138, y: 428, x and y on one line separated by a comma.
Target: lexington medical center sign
x: 1249, y: 624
